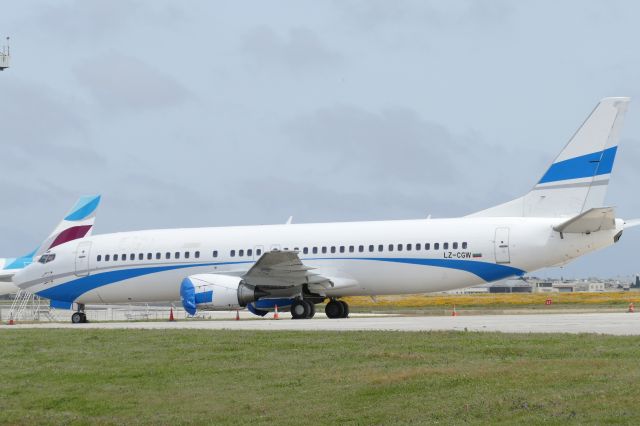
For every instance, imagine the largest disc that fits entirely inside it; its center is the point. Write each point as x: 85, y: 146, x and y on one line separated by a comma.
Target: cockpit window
x: 46, y: 258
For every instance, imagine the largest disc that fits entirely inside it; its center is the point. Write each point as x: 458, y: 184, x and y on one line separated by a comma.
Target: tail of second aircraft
x: 578, y: 178
x: 78, y: 223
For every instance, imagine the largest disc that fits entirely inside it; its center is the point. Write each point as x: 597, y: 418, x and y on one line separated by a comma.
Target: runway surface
x: 602, y: 323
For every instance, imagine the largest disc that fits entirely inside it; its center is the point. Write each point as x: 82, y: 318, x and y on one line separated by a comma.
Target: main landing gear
x: 302, y: 309
x: 79, y: 317
x: 337, y: 309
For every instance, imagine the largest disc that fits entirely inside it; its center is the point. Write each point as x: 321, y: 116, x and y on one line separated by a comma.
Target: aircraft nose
x: 20, y: 278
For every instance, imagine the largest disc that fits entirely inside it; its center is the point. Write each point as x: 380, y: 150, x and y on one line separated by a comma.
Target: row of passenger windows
x: 149, y: 256
x: 362, y: 248
x: 305, y: 250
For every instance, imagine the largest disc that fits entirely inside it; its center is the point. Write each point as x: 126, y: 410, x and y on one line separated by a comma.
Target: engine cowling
x: 215, y: 292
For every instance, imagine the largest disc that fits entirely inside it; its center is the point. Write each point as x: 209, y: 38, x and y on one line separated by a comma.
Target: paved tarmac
x: 602, y: 323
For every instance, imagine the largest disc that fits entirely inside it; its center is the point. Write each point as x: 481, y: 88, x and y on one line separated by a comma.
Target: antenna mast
x: 5, y: 55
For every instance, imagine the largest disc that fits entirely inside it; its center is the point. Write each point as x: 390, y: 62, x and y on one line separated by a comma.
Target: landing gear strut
x: 79, y: 317
x: 302, y: 309
x: 337, y: 309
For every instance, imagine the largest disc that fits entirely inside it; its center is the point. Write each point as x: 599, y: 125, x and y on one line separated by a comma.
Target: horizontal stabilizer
x: 631, y: 223
x: 593, y: 220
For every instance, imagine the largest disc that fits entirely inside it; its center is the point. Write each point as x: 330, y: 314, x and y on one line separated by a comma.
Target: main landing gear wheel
x: 301, y: 309
x: 78, y: 318
x: 337, y: 309
x: 345, y: 309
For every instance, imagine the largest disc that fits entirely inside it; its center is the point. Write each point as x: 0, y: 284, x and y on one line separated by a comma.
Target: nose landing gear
x: 79, y: 317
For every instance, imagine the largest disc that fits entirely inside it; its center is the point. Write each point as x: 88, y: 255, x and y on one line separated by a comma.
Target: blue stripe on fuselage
x: 590, y: 165
x: 73, y: 289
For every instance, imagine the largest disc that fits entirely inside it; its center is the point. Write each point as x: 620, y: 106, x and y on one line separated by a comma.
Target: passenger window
x: 158, y: 255
x: 390, y: 247
x: 408, y: 247
x: 177, y: 255
x: 167, y: 255
x: 341, y: 249
x: 186, y: 254
x: 115, y: 257
x: 106, y: 257
x: 445, y: 246
x: 455, y: 246
x: 324, y: 250
x: 259, y: 252
x: 233, y: 253
x: 132, y: 256
x: 250, y: 252
x: 315, y: 250
x: 436, y: 246
x: 399, y: 247
x: 464, y: 245
x: 149, y: 256
x: 333, y: 249
x: 418, y: 246
x: 215, y: 253
x: 427, y: 246
x: 371, y: 248
x: 99, y: 258
x: 124, y: 257
x: 196, y: 255
x: 380, y: 247
x: 360, y: 249
x: 351, y: 249
x: 305, y: 250
x: 240, y: 253
x: 141, y: 256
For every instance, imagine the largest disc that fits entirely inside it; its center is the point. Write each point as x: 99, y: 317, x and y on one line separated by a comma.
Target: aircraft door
x: 82, y: 258
x: 501, y: 243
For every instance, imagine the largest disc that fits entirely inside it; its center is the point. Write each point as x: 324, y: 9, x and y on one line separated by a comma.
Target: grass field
x: 225, y: 377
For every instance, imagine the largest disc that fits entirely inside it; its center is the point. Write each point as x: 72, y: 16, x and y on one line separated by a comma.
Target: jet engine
x: 216, y: 292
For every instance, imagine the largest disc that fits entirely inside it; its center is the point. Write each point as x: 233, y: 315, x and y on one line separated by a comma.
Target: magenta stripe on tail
x: 71, y: 234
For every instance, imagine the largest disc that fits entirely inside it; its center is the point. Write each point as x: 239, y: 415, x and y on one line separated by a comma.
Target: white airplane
x: 296, y: 266
x: 77, y: 224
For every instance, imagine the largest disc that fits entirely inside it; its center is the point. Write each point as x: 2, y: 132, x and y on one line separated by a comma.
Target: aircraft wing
x: 282, y: 269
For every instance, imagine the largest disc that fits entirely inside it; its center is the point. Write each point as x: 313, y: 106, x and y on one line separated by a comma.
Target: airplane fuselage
x: 366, y: 258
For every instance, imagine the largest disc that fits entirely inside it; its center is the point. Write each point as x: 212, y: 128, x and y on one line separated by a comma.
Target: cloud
x: 41, y: 130
x: 118, y: 82
x: 299, y: 49
x: 423, y: 14
x: 392, y: 145
x: 77, y: 20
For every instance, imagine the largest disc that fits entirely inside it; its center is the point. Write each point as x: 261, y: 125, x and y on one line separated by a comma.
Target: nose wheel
x: 79, y: 317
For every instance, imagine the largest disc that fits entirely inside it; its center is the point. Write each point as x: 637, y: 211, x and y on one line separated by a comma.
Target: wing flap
x: 593, y: 220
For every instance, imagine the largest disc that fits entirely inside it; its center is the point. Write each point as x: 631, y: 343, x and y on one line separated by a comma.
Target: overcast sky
x: 209, y: 113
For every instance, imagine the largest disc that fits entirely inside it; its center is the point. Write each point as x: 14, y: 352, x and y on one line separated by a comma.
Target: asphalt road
x: 603, y: 323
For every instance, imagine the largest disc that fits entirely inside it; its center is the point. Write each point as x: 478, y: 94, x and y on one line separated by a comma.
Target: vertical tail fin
x: 578, y: 178
x: 78, y: 223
